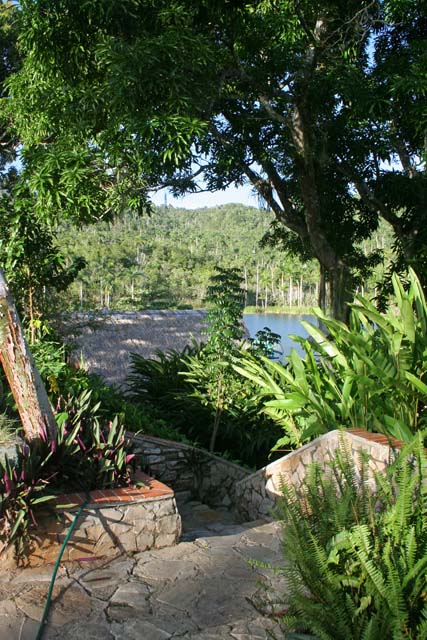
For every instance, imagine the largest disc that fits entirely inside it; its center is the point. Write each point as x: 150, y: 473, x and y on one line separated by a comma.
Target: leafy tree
x: 94, y: 141
x: 318, y: 105
x: 29, y: 257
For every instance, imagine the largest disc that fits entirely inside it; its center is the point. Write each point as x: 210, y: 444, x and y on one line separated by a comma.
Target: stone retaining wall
x: 255, y: 496
x: 114, y: 522
x: 187, y: 469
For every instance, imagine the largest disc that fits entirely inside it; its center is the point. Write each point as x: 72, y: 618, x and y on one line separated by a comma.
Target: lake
x: 281, y: 323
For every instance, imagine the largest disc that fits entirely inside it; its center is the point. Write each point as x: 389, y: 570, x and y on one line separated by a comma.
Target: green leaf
x: 416, y: 382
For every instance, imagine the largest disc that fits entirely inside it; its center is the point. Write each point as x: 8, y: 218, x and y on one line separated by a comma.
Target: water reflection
x: 281, y: 323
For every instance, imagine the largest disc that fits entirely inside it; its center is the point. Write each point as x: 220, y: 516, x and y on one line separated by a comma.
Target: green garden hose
x: 55, y: 570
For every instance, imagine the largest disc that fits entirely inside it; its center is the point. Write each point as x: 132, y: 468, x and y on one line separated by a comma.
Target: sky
x: 242, y: 195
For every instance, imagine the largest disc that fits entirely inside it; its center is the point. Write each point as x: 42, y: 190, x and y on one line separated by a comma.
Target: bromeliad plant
x: 22, y: 489
x: 85, y: 455
x: 355, y: 558
x: 88, y: 454
x: 367, y: 375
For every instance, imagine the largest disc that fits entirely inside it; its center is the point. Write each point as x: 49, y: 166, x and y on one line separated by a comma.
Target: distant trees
x: 168, y: 259
x: 319, y: 105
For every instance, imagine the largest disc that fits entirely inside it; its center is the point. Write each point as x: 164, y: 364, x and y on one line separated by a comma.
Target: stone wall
x: 114, y: 522
x: 112, y: 530
x: 255, y: 495
x: 190, y: 471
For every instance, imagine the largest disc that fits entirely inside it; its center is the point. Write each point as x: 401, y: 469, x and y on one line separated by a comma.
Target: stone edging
x: 255, y: 496
x: 100, y: 498
x: 190, y: 470
x: 115, y: 521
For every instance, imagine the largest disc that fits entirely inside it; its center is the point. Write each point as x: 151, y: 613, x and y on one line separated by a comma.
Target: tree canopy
x: 319, y: 105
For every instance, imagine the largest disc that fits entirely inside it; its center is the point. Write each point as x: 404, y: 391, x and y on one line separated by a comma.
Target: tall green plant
x: 366, y: 375
x: 355, y: 559
x: 211, y: 373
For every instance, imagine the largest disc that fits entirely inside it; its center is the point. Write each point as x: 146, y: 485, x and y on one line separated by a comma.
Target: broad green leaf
x: 421, y: 386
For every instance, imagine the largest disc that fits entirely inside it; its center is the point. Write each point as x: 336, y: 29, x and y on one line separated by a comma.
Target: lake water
x: 281, y: 323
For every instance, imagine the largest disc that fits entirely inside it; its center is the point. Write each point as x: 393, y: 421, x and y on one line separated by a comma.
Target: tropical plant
x: 163, y: 385
x: 157, y: 380
x: 366, y: 375
x: 355, y: 556
x: 211, y: 374
x: 88, y: 453
x: 21, y: 490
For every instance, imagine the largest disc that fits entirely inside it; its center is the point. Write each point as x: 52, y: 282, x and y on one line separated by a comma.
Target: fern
x: 356, y: 560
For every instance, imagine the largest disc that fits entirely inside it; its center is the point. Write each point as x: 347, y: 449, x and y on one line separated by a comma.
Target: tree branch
x: 368, y: 197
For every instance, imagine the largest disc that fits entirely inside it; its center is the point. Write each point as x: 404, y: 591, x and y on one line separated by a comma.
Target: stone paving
x: 205, y: 588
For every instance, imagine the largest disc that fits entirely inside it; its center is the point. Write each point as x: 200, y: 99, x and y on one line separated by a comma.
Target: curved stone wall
x: 255, y: 495
x: 189, y: 470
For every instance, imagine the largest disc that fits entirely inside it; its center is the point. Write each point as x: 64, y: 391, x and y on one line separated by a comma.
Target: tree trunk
x: 322, y: 289
x: 218, y: 414
x: 327, y: 255
x: 257, y: 285
x: 24, y: 380
x: 341, y: 293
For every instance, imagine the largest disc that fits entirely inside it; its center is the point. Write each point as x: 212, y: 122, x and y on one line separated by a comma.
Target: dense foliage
x: 366, y: 375
x: 319, y: 105
x: 163, y: 384
x: 355, y: 550
x: 29, y: 257
x: 198, y: 391
x: 87, y: 453
x: 166, y: 260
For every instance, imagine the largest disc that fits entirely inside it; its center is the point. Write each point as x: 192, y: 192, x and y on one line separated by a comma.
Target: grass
x: 7, y: 429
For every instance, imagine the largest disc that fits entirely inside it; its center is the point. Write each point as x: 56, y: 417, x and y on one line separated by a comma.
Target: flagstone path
x: 205, y: 588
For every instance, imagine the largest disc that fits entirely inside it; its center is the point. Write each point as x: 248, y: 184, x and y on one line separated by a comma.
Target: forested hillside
x: 166, y: 260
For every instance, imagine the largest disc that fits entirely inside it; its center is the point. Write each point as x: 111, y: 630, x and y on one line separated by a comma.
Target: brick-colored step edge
x: 152, y: 489
x: 379, y: 438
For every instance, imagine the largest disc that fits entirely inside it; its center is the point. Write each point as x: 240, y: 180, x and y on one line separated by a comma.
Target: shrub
x: 197, y: 390
x: 366, y: 375
x: 87, y: 454
x: 355, y: 560
x: 164, y: 385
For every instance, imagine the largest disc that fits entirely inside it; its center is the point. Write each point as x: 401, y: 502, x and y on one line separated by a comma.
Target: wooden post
x: 24, y: 380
